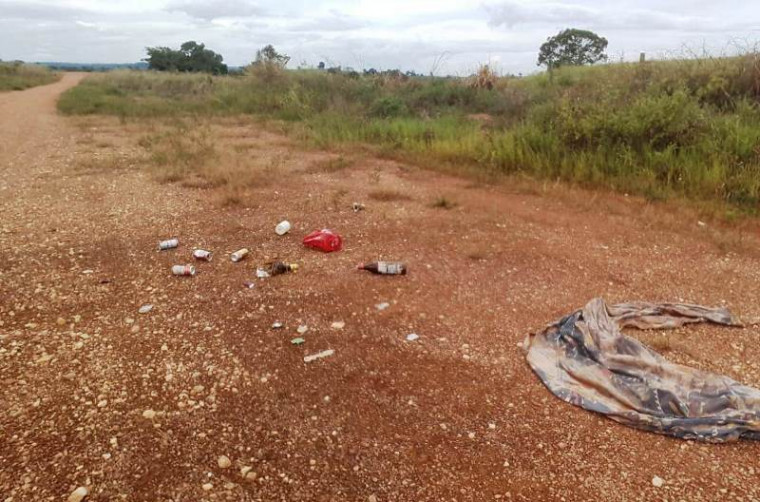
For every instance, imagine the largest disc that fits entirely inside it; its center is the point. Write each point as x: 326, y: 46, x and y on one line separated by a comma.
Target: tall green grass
x: 19, y: 76
x: 679, y: 128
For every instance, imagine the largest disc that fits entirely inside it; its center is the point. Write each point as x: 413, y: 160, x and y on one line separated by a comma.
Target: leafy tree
x: 191, y: 57
x: 321, y: 65
x: 572, y: 47
x: 268, y: 56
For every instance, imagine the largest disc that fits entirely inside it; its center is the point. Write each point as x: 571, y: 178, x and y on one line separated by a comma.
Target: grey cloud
x: 511, y: 13
x: 208, y: 9
x: 334, y: 22
x: 37, y: 11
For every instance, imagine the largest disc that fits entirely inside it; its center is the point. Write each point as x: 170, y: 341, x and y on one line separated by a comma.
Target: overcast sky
x: 449, y: 36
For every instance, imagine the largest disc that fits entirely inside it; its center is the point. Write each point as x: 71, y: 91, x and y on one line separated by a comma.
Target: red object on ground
x: 324, y: 240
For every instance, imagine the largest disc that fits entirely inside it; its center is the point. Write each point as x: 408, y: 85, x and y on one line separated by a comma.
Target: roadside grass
x: 662, y: 130
x: 19, y: 76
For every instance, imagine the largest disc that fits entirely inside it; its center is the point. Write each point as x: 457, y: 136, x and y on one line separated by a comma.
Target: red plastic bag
x: 324, y: 240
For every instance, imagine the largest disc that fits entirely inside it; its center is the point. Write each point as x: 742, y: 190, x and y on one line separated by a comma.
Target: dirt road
x: 140, y: 407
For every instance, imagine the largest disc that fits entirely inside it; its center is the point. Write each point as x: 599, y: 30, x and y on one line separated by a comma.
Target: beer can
x: 239, y: 255
x: 183, y: 270
x: 202, y: 254
x: 168, y: 244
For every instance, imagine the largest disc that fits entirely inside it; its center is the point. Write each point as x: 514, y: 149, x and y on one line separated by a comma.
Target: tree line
x: 570, y: 47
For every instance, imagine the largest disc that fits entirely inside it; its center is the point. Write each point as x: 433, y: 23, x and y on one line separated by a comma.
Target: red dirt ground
x: 456, y: 415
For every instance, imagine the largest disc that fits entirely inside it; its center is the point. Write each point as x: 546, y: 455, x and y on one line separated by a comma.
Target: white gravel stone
x: 78, y: 495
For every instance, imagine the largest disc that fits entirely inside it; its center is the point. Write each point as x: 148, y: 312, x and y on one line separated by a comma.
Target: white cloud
x: 215, y: 9
x: 408, y: 34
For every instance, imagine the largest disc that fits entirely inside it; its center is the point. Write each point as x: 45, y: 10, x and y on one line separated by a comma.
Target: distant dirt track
x: 455, y: 415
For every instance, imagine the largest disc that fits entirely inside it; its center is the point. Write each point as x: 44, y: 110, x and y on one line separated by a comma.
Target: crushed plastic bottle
x: 325, y: 240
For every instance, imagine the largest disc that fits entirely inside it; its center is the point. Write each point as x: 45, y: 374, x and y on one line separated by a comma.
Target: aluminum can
x: 168, y: 244
x: 202, y: 254
x: 239, y: 255
x: 183, y: 270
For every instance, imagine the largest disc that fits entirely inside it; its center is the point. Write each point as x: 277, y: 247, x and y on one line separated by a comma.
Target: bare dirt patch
x: 141, y: 406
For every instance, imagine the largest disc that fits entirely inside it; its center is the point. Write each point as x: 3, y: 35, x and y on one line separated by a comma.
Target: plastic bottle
x: 384, y: 267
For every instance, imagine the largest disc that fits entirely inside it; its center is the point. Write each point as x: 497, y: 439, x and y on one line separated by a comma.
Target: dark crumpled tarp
x: 585, y: 360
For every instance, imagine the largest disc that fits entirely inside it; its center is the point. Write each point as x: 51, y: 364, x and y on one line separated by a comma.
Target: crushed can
x: 168, y: 244
x: 202, y: 254
x: 239, y: 255
x: 183, y: 270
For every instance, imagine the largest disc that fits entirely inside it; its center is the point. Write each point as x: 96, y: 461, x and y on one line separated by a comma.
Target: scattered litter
x: 239, y: 255
x: 202, y: 254
x: 297, y: 341
x: 586, y: 360
x: 249, y: 284
x: 412, y: 337
x: 357, y: 206
x: 261, y: 273
x: 277, y: 325
x: 78, y: 495
x: 382, y: 306
x: 384, y: 267
x: 87, y: 272
x: 279, y: 267
x: 325, y: 240
x: 302, y: 329
x: 282, y: 227
x: 657, y: 482
x: 145, y: 308
x: 318, y: 355
x: 183, y: 270
x: 338, y: 325
x: 168, y: 244
x: 224, y: 462
x: 701, y: 223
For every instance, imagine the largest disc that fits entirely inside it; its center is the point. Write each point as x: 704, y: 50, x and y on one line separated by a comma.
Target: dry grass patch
x: 444, y: 202
x: 330, y: 165
x: 388, y: 195
x: 95, y: 163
